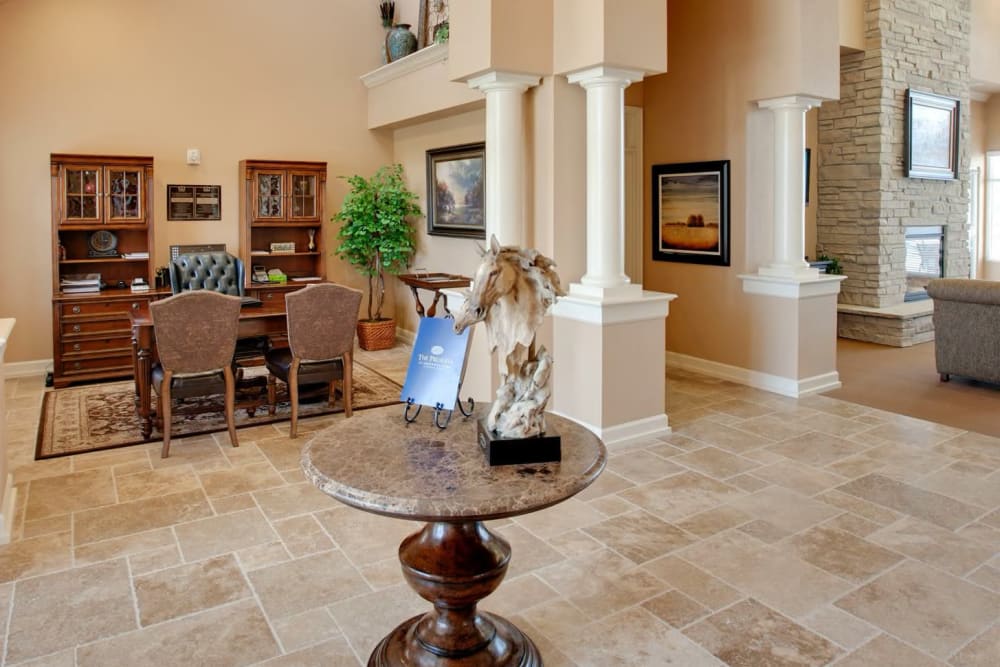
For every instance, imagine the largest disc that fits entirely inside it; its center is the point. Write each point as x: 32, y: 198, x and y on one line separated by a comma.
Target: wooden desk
x: 434, y: 282
x: 378, y: 463
x: 267, y: 319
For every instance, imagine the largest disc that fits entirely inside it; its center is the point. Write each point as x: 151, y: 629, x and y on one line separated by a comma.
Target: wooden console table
x: 434, y: 282
x: 378, y: 463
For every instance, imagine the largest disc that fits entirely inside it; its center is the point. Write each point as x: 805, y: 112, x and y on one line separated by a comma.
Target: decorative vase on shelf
x: 399, y: 42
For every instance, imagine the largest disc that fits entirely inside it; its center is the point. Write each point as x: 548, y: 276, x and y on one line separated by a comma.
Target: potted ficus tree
x: 377, y: 238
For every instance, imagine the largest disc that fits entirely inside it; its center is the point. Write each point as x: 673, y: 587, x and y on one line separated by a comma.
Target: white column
x: 605, y: 276
x: 505, y: 153
x: 789, y: 182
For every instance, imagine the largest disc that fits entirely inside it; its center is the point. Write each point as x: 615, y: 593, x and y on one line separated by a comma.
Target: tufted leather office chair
x: 322, y: 320
x: 217, y: 271
x: 188, y: 367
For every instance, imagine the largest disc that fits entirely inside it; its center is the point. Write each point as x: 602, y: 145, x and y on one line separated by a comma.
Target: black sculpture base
x: 507, y: 451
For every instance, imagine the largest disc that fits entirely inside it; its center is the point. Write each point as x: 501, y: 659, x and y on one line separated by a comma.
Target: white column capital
x: 790, y: 102
x: 497, y: 80
x: 602, y: 75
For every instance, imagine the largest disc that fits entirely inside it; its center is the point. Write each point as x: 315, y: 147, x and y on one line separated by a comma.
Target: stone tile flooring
x: 763, y: 531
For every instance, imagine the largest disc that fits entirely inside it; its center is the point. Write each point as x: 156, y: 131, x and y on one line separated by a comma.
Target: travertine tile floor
x: 763, y: 531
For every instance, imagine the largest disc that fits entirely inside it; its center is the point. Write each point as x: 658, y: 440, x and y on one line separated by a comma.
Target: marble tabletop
x: 376, y: 462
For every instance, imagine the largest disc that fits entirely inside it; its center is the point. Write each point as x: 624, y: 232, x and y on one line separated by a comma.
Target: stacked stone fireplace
x: 865, y: 204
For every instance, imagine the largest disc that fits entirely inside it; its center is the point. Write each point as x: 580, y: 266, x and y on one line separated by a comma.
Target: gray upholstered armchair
x: 216, y: 271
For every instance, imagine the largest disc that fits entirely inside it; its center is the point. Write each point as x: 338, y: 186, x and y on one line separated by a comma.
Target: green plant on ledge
x: 834, y: 265
x: 376, y: 236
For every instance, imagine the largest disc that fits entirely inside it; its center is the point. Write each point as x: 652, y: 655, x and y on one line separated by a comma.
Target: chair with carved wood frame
x: 322, y: 320
x: 195, y: 340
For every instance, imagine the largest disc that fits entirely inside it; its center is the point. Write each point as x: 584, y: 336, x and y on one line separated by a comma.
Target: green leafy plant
x: 442, y: 33
x: 376, y: 236
x: 834, y: 265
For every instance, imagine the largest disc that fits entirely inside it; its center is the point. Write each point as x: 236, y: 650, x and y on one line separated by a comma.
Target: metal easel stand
x: 439, y: 411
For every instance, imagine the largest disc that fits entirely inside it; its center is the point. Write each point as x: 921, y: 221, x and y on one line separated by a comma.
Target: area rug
x: 102, y: 416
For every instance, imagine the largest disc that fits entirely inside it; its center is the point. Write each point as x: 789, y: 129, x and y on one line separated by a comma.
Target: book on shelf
x: 81, y: 290
x: 306, y: 279
x: 135, y: 255
x: 80, y: 279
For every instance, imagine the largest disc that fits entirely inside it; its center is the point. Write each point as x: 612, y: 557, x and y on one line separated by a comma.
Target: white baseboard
x: 406, y: 336
x: 7, y: 510
x: 21, y: 369
x: 773, y: 383
x: 620, y: 435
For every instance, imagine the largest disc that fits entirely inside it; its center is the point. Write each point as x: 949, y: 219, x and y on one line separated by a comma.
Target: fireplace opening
x: 924, y: 259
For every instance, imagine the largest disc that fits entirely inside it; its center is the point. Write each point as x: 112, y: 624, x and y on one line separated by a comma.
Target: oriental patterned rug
x: 102, y: 416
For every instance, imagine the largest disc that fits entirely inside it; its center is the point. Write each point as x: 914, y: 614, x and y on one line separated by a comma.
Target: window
x: 993, y: 206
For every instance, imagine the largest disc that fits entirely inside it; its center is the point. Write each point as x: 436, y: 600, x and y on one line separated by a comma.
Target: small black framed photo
x: 691, y: 212
x: 456, y: 193
x: 931, y: 136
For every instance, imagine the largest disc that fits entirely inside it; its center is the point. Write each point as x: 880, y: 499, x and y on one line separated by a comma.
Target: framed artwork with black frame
x: 931, y: 136
x: 690, y: 212
x: 456, y: 192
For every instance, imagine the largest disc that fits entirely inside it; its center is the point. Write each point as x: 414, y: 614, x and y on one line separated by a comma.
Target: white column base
x: 795, y: 333
x: 791, y: 287
x: 622, y: 292
x: 607, y: 373
x: 803, y: 272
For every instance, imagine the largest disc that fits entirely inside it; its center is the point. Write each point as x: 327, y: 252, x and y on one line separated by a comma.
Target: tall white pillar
x: 788, y: 253
x: 505, y: 142
x: 605, y: 276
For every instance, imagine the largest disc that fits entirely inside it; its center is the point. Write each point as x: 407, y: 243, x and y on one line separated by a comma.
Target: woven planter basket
x: 377, y: 335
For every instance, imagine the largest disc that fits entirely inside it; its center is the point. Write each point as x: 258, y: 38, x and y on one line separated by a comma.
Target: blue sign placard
x: 437, y: 364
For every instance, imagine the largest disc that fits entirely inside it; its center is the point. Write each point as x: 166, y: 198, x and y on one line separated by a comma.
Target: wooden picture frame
x: 931, y: 143
x: 456, y: 191
x: 433, y: 14
x: 690, y: 213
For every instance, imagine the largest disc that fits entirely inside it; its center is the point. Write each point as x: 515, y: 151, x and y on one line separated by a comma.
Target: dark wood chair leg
x: 272, y: 394
x: 293, y: 394
x: 945, y: 377
x: 231, y: 405
x: 165, y: 411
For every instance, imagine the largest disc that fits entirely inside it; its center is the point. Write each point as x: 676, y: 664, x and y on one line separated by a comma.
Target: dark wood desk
x: 433, y: 282
x: 267, y: 319
x: 376, y: 462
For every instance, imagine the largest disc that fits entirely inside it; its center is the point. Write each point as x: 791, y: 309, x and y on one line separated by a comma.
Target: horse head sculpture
x: 511, y: 292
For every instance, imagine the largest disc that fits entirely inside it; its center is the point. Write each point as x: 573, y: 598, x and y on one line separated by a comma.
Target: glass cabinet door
x: 125, y: 195
x: 82, y: 193
x: 269, y: 199
x: 303, y: 191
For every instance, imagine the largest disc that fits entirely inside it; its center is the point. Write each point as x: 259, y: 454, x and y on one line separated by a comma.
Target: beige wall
x: 434, y: 253
x: 234, y: 78
x: 702, y: 109
x: 587, y: 33
x: 494, y: 34
x: 851, y: 19
x: 984, y: 61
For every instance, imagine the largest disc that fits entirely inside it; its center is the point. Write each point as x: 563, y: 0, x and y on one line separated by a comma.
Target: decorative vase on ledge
x: 399, y: 42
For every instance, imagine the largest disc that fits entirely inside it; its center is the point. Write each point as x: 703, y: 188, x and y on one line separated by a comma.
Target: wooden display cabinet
x: 102, y: 213
x: 282, y: 202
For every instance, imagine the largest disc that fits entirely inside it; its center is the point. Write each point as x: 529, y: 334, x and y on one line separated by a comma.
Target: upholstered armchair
x: 322, y: 320
x: 195, y: 338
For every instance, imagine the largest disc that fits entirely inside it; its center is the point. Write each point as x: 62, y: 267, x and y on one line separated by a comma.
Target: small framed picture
x: 691, y: 212
x: 456, y: 194
x: 931, y: 136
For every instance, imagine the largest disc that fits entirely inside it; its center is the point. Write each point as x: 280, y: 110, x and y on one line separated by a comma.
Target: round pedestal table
x: 378, y: 463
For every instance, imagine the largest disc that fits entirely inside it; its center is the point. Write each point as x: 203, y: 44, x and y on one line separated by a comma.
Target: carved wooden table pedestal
x: 376, y: 462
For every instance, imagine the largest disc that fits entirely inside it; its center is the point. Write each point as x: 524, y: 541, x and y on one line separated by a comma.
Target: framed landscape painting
x: 456, y: 191
x: 691, y: 212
